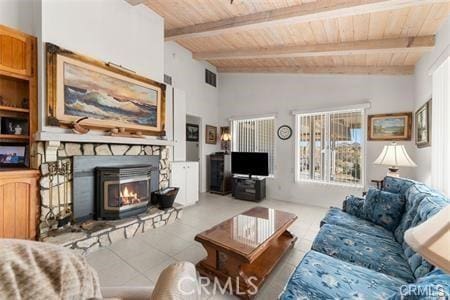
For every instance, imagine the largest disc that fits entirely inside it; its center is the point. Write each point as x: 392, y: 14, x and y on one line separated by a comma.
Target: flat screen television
x: 250, y: 163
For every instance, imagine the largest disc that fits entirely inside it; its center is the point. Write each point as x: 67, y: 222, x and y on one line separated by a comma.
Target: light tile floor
x: 139, y: 261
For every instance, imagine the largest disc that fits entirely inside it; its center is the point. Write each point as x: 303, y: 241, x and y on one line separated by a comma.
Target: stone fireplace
x: 69, y: 197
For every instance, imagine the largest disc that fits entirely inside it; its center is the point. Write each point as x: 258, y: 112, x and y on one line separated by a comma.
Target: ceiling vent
x: 167, y: 79
x: 210, y: 78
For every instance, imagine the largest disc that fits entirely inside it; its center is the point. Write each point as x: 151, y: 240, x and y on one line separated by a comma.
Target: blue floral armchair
x: 359, y: 253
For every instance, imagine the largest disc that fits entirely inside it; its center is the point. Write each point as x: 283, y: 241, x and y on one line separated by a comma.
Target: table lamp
x: 431, y: 239
x: 226, y: 137
x: 394, y: 156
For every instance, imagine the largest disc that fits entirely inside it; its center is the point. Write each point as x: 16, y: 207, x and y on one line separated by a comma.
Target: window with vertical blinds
x: 330, y: 147
x: 255, y: 135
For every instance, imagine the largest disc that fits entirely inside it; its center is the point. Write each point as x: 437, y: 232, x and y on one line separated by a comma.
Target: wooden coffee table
x: 243, y: 250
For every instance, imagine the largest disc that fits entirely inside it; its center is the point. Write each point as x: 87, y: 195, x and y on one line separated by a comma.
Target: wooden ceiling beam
x: 387, y: 70
x: 397, y: 45
x: 307, y: 12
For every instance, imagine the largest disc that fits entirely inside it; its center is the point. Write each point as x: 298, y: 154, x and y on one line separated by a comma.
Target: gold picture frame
x: 211, y: 135
x: 390, y: 127
x: 111, y: 97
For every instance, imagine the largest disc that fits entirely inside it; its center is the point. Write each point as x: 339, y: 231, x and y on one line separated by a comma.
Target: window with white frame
x: 330, y: 147
x: 254, y: 135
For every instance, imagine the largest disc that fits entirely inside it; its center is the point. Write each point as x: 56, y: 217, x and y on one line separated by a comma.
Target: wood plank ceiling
x: 306, y: 36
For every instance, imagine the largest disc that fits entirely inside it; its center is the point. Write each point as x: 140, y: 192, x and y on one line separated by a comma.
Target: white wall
x: 107, y: 30
x: 17, y: 14
x: 202, y: 100
x: 423, y: 87
x: 250, y: 94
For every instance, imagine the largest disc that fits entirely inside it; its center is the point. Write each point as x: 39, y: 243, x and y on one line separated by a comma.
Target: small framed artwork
x: 13, y: 155
x: 390, y: 127
x: 192, y: 132
x: 211, y: 134
x: 15, y: 126
x: 423, y: 125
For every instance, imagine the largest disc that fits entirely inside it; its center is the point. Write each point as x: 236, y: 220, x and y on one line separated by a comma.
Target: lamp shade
x: 394, y: 155
x: 226, y: 137
x: 431, y: 239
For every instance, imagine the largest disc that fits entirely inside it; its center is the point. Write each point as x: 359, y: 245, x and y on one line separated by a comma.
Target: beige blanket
x: 34, y: 270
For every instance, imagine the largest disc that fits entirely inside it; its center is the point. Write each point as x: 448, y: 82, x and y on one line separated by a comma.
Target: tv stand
x: 249, y: 188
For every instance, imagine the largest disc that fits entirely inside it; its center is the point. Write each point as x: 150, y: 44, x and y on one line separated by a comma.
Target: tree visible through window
x: 330, y: 147
x: 255, y: 135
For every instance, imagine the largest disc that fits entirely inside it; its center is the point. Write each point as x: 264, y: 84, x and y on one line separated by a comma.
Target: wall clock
x: 284, y: 132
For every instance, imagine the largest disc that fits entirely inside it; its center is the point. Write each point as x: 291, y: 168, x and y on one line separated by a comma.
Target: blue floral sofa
x: 359, y: 252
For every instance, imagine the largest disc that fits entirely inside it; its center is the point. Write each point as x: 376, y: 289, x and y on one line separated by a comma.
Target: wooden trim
x: 307, y: 12
x: 388, y: 70
x: 393, y: 45
x: 52, y: 54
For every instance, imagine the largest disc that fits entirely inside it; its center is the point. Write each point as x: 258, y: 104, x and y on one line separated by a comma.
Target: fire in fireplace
x: 122, y: 191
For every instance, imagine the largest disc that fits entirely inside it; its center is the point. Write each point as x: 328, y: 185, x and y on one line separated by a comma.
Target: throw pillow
x: 384, y: 208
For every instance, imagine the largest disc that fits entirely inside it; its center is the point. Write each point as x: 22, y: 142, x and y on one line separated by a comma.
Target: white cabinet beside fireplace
x: 185, y: 175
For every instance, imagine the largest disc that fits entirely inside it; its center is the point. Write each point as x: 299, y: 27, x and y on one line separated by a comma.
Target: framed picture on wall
x: 211, y: 134
x: 423, y: 125
x: 390, y: 127
x: 192, y: 132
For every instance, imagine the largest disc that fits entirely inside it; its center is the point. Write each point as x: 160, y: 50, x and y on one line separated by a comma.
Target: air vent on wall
x: 167, y: 79
x: 210, y: 78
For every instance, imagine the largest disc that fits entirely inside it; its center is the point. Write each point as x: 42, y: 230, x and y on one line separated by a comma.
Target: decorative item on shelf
x: 225, y: 140
x: 284, y: 132
x: 192, y: 132
x: 394, y: 156
x: 13, y: 155
x: 59, y: 211
x: 211, y: 135
x: 25, y: 103
x: 109, y: 94
x: 121, y: 132
x: 432, y: 238
x: 14, y: 126
x: 390, y: 127
x: 423, y: 125
x: 78, y: 128
x: 2, y: 101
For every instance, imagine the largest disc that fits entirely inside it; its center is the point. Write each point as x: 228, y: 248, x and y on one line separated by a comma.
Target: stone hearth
x: 91, y: 236
x: 73, y: 235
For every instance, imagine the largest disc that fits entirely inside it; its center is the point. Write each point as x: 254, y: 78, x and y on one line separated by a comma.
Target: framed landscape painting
x: 423, y: 125
x: 108, y: 96
x: 390, y: 127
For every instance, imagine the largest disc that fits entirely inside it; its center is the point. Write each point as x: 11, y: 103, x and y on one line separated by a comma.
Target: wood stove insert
x: 122, y: 192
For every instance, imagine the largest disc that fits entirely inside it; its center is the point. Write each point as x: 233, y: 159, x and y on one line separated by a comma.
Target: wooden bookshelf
x: 18, y: 87
x: 14, y: 137
x: 14, y: 109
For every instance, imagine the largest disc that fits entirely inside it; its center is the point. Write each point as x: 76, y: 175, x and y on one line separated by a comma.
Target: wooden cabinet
x: 16, y: 49
x: 18, y: 204
x: 220, y: 177
x: 185, y: 175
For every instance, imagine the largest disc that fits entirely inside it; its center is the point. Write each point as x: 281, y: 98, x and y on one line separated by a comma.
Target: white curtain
x: 440, y: 129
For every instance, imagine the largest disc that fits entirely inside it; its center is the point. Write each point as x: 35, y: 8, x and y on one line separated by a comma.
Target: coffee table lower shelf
x: 240, y: 277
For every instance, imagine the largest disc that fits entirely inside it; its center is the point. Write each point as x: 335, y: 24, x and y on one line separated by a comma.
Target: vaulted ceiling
x: 305, y: 36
